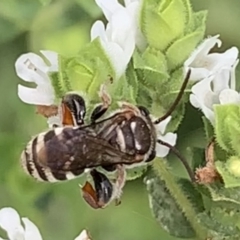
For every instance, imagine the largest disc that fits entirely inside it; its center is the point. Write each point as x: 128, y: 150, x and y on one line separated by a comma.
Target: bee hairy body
x: 127, y: 137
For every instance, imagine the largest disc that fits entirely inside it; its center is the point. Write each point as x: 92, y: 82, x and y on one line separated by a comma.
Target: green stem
x: 160, y: 168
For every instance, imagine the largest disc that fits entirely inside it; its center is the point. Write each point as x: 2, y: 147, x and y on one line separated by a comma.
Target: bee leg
x: 119, y: 184
x: 99, y: 110
x: 104, y: 191
x: 102, y: 194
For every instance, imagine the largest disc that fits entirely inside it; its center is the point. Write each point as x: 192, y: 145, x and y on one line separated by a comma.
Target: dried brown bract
x: 208, y: 174
x: 47, y: 111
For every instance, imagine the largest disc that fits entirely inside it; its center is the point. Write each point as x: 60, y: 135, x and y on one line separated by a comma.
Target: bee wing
x: 64, y: 153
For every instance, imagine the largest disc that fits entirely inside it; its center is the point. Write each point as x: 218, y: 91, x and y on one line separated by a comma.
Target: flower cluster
x: 10, y: 222
x: 215, y: 73
x: 121, y: 34
x: 118, y: 40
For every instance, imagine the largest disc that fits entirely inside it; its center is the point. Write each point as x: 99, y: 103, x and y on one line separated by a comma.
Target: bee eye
x: 77, y: 107
x: 144, y: 111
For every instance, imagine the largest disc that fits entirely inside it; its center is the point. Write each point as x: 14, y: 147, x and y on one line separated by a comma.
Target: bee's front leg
x: 101, y: 108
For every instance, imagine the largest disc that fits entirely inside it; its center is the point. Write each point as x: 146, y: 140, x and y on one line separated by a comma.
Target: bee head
x: 75, y: 105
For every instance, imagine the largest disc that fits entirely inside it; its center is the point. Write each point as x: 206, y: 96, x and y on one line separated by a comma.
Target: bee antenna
x: 177, y: 100
x: 181, y: 158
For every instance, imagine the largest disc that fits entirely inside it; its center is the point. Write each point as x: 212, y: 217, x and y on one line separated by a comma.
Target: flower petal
x: 197, y: 73
x: 133, y: 9
x: 36, y: 96
x: 116, y: 56
x: 162, y: 125
x: 209, y: 114
x: 83, y: 236
x: 120, y: 27
x: 109, y: 7
x: 170, y: 138
x: 202, y: 49
x: 27, y: 64
x: 10, y: 222
x: 31, y: 231
x: 52, y: 57
x: 229, y: 96
x: 233, y: 75
x: 203, y: 97
x: 98, y: 30
x: 221, y: 80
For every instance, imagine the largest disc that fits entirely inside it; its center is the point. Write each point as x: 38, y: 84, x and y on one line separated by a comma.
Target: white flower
x: 215, y: 89
x: 134, y: 7
x: 11, y: 223
x: 83, y: 236
x: 118, y: 39
x: 32, y: 68
x: 202, y: 63
x: 170, y: 138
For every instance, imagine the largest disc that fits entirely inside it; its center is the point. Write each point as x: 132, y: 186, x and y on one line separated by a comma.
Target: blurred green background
x: 58, y: 209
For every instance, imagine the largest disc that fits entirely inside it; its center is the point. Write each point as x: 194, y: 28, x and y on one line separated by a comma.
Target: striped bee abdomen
x: 65, y: 153
x: 46, y: 157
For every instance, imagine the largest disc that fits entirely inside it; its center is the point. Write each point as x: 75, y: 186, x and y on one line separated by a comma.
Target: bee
x: 125, y: 139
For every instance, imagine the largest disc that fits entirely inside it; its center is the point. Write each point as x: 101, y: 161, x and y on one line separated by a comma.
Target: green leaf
x: 165, y: 208
x: 200, y: 19
x: 175, y: 15
x: 180, y: 50
x: 122, y: 91
x: 165, y: 97
x: 136, y: 172
x: 189, y: 11
x: 151, y: 60
x: 209, y: 130
x: 163, y: 179
x: 58, y: 88
x: 230, y: 171
x: 144, y: 96
x: 132, y: 79
x: 198, y: 22
x: 227, y: 127
x: 216, y: 228
x: 222, y: 195
x: 150, y: 20
x: 80, y: 76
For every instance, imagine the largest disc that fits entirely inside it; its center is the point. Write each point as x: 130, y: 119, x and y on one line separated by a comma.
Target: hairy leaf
x: 165, y: 208
x: 230, y: 171
x: 227, y: 127
x: 180, y: 50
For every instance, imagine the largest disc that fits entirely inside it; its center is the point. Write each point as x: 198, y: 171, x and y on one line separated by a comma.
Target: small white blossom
x: 83, y: 236
x: 215, y: 89
x: 32, y: 68
x: 203, y: 64
x: 134, y: 7
x: 118, y: 38
x: 11, y: 223
x: 170, y: 138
